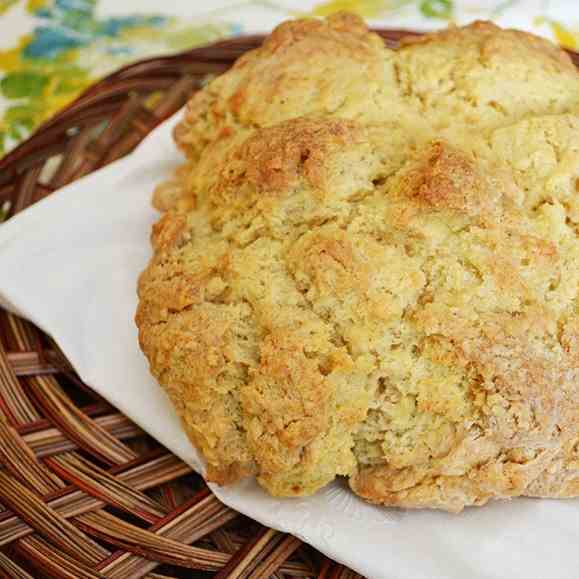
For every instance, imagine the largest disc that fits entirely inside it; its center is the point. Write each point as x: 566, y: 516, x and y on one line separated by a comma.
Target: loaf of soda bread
x: 368, y: 266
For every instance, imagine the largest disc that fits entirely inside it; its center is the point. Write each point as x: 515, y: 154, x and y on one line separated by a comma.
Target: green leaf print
x: 20, y: 120
x: 71, y: 45
x: 23, y: 84
x: 436, y: 8
x: 4, y: 210
x: 20, y: 114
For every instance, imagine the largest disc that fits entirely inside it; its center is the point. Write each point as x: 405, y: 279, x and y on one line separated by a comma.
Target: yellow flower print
x: 5, y: 4
x: 70, y: 47
x: 373, y: 8
x: 565, y: 37
x: 34, y: 5
x: 365, y: 8
x: 10, y: 60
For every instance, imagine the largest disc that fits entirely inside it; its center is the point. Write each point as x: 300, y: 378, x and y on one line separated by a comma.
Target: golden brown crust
x: 272, y: 161
x: 494, y: 41
x: 446, y: 178
x: 271, y: 83
x: 369, y: 267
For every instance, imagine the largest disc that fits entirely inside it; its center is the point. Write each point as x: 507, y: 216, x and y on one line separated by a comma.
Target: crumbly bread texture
x: 369, y: 264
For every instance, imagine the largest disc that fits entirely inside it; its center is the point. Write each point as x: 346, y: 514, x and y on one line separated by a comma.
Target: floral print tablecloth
x: 50, y: 50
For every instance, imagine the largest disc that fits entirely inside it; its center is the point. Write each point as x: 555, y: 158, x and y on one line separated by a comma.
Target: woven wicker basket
x: 83, y: 491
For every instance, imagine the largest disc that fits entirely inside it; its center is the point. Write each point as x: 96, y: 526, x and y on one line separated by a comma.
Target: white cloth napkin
x: 70, y: 265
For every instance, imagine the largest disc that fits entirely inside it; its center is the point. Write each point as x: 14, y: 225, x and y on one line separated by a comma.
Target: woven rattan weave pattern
x: 83, y: 491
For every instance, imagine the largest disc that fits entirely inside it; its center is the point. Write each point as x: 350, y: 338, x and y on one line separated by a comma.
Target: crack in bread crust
x: 369, y: 267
